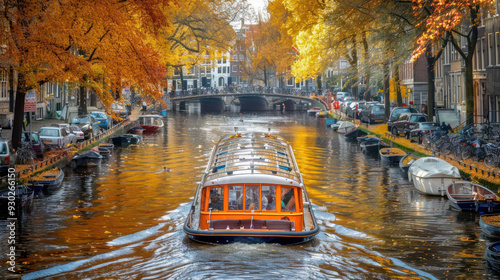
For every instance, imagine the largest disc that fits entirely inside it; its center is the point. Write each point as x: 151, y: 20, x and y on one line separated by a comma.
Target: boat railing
x: 252, y: 170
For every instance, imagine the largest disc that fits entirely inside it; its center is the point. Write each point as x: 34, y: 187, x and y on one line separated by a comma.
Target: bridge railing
x: 230, y: 89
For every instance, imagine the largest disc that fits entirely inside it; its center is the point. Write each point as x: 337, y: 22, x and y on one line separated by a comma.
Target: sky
x: 258, y: 5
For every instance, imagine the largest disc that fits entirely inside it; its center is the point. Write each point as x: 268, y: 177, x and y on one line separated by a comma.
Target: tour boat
x: 431, y: 175
x: 465, y: 195
x: 151, y: 123
x: 251, y: 192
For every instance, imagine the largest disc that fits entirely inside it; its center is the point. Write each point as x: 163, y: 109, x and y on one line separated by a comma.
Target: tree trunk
x: 397, y: 86
x: 318, y: 84
x: 469, y: 90
x: 265, y: 77
x: 19, y: 110
x: 431, y: 86
x: 366, y: 55
x: 387, y: 102
x: 82, y: 109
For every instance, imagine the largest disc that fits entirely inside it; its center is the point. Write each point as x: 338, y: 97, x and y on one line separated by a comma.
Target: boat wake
x: 163, y: 252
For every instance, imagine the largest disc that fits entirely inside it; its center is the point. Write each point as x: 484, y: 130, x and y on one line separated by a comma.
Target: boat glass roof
x: 252, y: 154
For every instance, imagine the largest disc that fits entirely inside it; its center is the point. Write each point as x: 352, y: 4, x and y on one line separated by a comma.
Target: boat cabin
x: 252, y: 188
x: 154, y: 120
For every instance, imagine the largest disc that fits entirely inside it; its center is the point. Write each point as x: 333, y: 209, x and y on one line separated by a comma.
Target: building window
x: 290, y: 82
x: 3, y: 84
x: 484, y: 58
x: 235, y: 68
x: 497, y: 43
x: 219, y: 70
x: 490, y: 50
x: 223, y: 69
x: 241, y: 57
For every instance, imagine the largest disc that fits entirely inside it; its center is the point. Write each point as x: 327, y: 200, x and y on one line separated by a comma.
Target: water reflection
x: 124, y: 219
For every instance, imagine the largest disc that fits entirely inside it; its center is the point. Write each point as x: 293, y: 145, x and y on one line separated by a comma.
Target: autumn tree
x: 84, y: 42
x: 271, y: 46
x: 200, y: 28
x: 453, y: 20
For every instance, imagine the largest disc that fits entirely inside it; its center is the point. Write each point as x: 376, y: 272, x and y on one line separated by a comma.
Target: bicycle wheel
x: 467, y: 152
x: 491, y: 160
x: 427, y: 141
x: 446, y: 148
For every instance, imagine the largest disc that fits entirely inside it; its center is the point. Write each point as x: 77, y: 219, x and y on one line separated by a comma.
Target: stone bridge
x: 247, y: 102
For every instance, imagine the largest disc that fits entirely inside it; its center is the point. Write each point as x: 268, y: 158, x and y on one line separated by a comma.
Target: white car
x: 77, y: 131
x: 56, y: 136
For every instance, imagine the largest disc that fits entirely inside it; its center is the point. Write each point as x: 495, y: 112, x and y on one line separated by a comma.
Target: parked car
x: 396, y: 112
x: 77, y: 132
x: 119, y: 109
x: 360, y: 105
x: 103, y: 119
x: 66, y: 126
x: 420, y: 129
x: 341, y: 95
x: 88, y: 124
x: 7, y: 157
x: 406, y: 122
x: 36, y: 143
x: 373, y: 113
x: 54, y: 136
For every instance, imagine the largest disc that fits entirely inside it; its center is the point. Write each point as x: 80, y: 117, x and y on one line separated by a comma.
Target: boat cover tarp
x: 431, y: 167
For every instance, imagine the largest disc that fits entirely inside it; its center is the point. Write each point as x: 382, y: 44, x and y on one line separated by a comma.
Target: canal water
x: 124, y: 219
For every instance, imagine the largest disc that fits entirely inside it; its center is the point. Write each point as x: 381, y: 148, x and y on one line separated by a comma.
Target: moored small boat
x: 373, y: 146
x: 126, y: 140
x: 105, y: 149
x: 391, y: 155
x: 151, y: 123
x: 368, y: 137
x: 86, y: 159
x: 313, y: 111
x: 431, y: 175
x: 407, y: 161
x: 468, y: 196
x: 251, y: 192
x: 330, y: 121
x: 21, y: 195
x: 136, y: 130
x: 49, y: 179
x: 321, y: 114
x: 345, y: 127
x: 490, y: 224
x: 492, y: 255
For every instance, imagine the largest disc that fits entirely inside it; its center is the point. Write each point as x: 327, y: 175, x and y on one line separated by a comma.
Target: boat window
x: 252, y: 198
x: 268, y: 198
x: 234, y: 201
x: 287, y: 199
x: 216, y: 198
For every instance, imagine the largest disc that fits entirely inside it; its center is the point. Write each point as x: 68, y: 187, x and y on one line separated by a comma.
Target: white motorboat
x: 346, y: 127
x: 432, y: 175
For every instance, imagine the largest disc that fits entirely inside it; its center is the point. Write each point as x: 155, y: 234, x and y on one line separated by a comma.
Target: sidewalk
x: 35, y: 126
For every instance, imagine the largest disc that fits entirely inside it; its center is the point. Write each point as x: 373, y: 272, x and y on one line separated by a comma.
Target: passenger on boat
x: 215, y: 202
x: 287, y: 199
